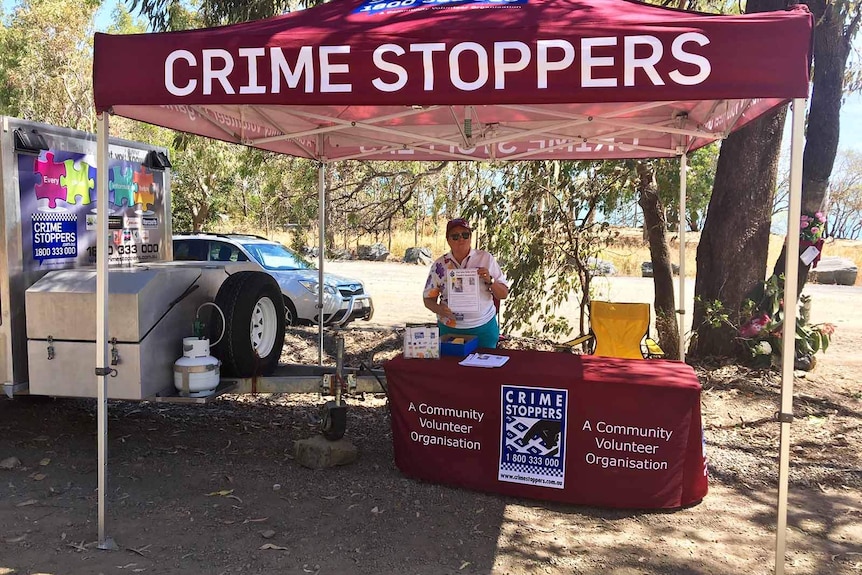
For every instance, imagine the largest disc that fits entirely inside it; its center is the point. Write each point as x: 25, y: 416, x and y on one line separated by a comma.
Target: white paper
x: 809, y: 255
x: 484, y: 360
x: 463, y: 290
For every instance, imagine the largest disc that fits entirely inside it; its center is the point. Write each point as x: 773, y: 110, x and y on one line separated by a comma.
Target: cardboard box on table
x: 422, y: 341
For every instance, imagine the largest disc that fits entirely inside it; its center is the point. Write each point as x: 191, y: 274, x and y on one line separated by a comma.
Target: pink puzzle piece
x: 144, y: 195
x: 50, y: 188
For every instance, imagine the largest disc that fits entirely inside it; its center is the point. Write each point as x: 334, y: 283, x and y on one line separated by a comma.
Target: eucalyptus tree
x: 700, y: 176
x: 542, y: 222
x: 374, y: 198
x: 46, y: 73
x: 845, y: 197
x: 204, y: 181
x: 732, y: 254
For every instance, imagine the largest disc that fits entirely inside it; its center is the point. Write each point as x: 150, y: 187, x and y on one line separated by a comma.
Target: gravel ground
x: 214, y: 489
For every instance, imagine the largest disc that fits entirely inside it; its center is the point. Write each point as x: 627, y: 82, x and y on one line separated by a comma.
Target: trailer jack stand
x: 333, y: 413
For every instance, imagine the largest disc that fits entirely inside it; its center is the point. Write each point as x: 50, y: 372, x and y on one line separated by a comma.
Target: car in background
x: 344, y: 299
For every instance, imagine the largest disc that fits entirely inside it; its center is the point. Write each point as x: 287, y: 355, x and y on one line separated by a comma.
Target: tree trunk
x: 655, y: 225
x: 328, y: 218
x: 832, y: 44
x: 732, y: 253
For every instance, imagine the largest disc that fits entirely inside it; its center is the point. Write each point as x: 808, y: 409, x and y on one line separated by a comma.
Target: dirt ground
x: 213, y: 489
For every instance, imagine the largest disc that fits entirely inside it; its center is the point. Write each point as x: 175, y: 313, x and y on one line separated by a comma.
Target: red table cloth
x: 554, y: 426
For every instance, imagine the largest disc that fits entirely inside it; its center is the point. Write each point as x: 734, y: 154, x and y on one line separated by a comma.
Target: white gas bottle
x: 196, y: 373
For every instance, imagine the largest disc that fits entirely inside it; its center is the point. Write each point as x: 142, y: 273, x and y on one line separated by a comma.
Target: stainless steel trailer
x: 48, y: 279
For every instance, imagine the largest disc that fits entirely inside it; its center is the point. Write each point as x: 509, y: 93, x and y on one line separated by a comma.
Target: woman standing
x: 483, y: 322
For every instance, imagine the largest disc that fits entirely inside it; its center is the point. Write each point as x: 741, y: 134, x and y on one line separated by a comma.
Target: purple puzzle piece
x: 50, y: 188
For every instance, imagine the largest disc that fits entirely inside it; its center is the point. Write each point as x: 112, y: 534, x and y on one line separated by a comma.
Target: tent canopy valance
x: 479, y: 80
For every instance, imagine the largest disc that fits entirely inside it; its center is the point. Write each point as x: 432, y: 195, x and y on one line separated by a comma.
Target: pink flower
x: 820, y: 217
x: 755, y: 326
x: 815, y: 230
x: 804, y: 223
x: 828, y: 328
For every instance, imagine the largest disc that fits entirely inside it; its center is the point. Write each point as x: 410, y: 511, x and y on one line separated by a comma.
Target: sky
x: 851, y: 124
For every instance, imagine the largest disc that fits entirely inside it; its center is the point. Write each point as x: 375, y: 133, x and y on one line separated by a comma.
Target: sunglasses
x: 461, y: 236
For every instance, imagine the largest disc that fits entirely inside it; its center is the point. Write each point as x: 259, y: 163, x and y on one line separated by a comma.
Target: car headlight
x: 311, y: 286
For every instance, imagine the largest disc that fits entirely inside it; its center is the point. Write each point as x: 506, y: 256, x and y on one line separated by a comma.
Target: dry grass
x: 627, y: 253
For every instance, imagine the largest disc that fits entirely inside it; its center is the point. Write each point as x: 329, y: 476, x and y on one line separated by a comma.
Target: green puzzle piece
x: 77, y: 182
x: 123, y: 186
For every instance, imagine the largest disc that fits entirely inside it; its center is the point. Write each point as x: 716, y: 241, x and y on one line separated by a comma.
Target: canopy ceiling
x: 480, y: 80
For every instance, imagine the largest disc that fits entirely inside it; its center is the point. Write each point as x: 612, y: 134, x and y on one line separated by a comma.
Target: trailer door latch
x: 50, y: 348
x: 115, y: 353
x: 103, y: 371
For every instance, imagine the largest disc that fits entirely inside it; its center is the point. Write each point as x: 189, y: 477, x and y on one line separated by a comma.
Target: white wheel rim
x: 264, y: 325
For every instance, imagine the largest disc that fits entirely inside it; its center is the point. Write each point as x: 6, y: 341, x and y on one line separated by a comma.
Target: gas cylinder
x: 196, y: 373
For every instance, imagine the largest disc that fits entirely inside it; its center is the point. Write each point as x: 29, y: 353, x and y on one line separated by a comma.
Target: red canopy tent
x: 467, y: 80
x: 491, y: 79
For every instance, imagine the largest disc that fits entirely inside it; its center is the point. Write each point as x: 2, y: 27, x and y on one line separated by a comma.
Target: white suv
x: 344, y: 299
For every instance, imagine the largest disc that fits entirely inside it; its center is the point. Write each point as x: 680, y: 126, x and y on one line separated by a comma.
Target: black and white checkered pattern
x: 54, y: 217
x: 530, y: 469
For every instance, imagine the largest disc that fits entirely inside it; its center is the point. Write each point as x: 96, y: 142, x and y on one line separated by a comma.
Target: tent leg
x: 681, y: 310
x: 102, y: 366
x: 321, y: 246
x: 788, y: 351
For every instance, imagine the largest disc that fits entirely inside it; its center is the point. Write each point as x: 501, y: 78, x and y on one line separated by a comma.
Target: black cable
x: 371, y: 371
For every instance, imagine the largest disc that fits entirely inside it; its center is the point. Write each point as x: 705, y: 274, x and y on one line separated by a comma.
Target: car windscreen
x: 276, y: 257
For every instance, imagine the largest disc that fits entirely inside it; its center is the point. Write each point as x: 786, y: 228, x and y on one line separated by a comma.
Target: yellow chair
x: 620, y: 330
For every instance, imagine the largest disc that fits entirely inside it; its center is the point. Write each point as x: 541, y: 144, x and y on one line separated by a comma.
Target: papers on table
x: 484, y: 360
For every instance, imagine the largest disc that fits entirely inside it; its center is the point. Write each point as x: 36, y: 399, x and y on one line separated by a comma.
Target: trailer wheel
x: 254, y: 335
x: 333, y: 420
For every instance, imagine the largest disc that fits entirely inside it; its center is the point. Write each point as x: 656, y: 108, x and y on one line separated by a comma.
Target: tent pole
x: 321, y: 243
x: 788, y: 336
x: 103, y: 369
x: 681, y: 310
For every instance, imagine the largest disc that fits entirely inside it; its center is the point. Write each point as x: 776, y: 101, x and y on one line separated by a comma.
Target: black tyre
x: 290, y: 317
x: 333, y: 420
x: 254, y: 334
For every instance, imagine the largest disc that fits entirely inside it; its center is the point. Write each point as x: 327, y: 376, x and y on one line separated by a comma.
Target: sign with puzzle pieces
x: 60, y: 202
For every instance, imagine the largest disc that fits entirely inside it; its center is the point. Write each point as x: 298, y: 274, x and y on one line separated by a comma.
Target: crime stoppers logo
x: 533, y: 436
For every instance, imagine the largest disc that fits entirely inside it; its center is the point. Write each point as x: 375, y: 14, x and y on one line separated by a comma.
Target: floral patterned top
x: 435, y: 286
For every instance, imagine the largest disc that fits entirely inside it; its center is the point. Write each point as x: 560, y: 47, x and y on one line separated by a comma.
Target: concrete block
x: 319, y: 453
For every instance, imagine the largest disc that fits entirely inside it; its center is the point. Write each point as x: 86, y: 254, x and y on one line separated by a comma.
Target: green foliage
x: 204, y: 179
x: 700, y: 176
x: 540, y: 221
x: 761, y: 327
x: 373, y: 198
x: 173, y: 14
x: 46, y: 64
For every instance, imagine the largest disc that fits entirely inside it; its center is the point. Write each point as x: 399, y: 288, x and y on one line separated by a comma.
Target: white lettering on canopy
x: 169, y: 72
x: 279, y: 69
x: 545, y: 64
x: 399, y: 71
x: 501, y: 66
x: 211, y: 73
x: 589, y: 61
x: 680, y: 54
x: 598, y: 62
x: 648, y: 63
